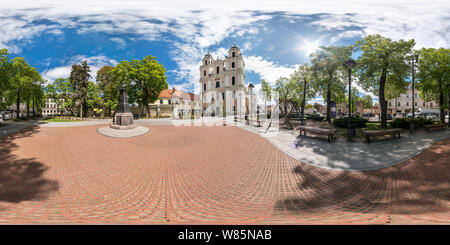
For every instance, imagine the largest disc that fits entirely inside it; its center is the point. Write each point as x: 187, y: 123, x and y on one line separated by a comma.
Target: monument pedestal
x: 123, y: 118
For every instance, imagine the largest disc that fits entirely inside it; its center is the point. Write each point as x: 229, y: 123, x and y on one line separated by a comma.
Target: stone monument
x: 123, y: 118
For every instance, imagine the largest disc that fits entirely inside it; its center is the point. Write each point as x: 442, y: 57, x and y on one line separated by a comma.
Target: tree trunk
x: 328, y: 103
x: 304, y: 98
x: 34, y: 111
x: 81, y: 110
x: 382, y: 101
x: 18, y: 103
x: 441, y: 101
x: 28, y: 108
x: 448, y: 108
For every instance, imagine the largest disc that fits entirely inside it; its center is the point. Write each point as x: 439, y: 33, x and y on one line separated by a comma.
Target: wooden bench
x: 434, y: 127
x: 321, y: 131
x: 394, y: 132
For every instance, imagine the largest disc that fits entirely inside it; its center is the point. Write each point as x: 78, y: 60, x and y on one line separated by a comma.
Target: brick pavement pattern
x: 205, y: 175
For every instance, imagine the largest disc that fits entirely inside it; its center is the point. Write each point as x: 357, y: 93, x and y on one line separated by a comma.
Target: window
x: 407, y: 95
x: 423, y: 104
x: 161, y: 101
x: 233, y: 54
x: 204, y: 86
x: 204, y: 73
x: 170, y: 102
x: 431, y: 104
x: 398, y: 103
x: 415, y: 95
x: 232, y: 64
x: 390, y: 104
x: 217, y: 83
x: 233, y: 81
x: 217, y: 69
x: 206, y: 62
x: 407, y: 103
x: 415, y: 103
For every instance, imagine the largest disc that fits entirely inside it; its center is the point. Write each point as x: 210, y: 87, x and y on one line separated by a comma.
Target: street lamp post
x: 415, y: 58
x: 251, y: 86
x: 350, y: 63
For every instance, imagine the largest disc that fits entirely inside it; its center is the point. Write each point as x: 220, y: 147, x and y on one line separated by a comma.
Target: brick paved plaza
x: 198, y: 175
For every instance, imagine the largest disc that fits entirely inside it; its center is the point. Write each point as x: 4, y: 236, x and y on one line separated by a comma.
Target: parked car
x: 5, y: 115
x: 389, y: 117
x: 409, y: 115
x: 432, y: 116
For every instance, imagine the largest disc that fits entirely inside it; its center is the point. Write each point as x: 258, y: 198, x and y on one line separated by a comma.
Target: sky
x: 274, y: 36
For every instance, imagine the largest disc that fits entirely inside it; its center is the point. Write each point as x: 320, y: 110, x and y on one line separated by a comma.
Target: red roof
x: 169, y: 93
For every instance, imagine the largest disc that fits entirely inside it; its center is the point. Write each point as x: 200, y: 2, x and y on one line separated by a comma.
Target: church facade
x: 222, y: 84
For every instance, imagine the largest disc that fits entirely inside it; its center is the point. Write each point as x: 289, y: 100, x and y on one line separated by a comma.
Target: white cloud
x: 95, y: 63
x: 199, y: 24
x: 268, y: 70
x: 121, y: 44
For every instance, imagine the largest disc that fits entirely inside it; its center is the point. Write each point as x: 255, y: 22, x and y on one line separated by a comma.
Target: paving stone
x: 205, y: 175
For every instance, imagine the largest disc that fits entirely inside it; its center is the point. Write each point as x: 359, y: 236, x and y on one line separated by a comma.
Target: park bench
x: 394, y: 132
x: 320, y: 131
x: 434, y: 127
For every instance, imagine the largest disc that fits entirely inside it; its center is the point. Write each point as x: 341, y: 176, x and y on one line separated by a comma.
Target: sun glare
x: 309, y: 47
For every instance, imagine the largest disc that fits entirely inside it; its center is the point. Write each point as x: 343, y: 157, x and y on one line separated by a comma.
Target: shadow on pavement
x: 417, y: 186
x: 22, y: 179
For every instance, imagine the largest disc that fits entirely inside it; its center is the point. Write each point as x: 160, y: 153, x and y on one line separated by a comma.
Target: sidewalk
x: 350, y: 156
x: 12, y: 127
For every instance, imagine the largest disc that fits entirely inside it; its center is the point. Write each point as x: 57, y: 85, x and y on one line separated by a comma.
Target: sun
x: 310, y: 47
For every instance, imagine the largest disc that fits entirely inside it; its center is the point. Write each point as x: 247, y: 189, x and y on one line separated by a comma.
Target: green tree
x: 328, y: 73
x: 301, y: 77
x: 79, y: 79
x: 94, y: 101
x: 367, y: 101
x: 109, y: 88
x: 287, y: 90
x: 382, y: 58
x: 318, y: 107
x: 20, y: 79
x: 145, y: 79
x: 65, y: 95
x: 433, y: 77
x: 267, y: 91
x: 5, y: 66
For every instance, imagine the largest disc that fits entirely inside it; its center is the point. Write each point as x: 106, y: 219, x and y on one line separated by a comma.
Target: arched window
x: 233, y: 54
x: 204, y: 86
x: 218, y: 84
x: 217, y: 68
x: 204, y: 73
x: 206, y: 62
x: 233, y: 80
x: 232, y: 64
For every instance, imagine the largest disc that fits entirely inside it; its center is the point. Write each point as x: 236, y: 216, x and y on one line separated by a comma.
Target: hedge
x: 359, y: 122
x: 404, y: 122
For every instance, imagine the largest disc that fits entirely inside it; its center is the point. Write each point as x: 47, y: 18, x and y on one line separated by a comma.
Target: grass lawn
x: 60, y: 120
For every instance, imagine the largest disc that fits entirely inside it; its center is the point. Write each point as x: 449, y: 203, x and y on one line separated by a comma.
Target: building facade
x: 403, y: 104
x: 177, y: 105
x: 222, y: 83
x: 52, y: 108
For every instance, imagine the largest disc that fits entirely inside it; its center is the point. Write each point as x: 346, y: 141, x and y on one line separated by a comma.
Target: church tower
x: 222, y: 81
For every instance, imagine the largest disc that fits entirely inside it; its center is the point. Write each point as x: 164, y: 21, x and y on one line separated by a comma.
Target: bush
x: 357, y: 121
x: 400, y: 123
x: 315, y: 117
x: 404, y: 122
